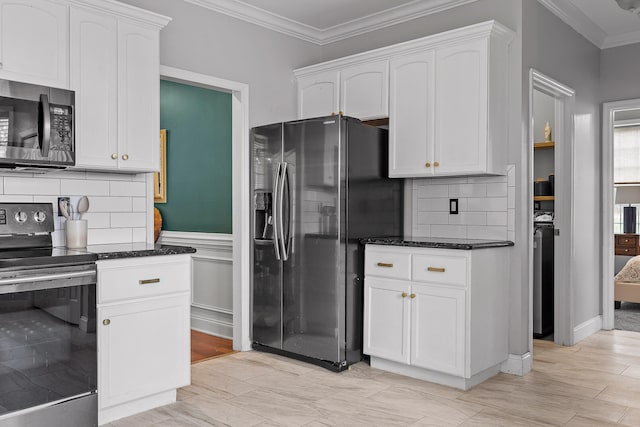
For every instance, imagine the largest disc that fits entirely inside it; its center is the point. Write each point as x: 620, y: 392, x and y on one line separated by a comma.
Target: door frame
x: 608, y: 111
x: 240, y: 191
x: 563, y: 243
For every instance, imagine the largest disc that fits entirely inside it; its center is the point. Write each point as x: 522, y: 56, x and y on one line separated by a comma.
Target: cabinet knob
x: 125, y: 157
x: 404, y: 295
x: 427, y: 165
x: 106, y: 322
x: 436, y: 164
x: 412, y: 296
x: 114, y: 156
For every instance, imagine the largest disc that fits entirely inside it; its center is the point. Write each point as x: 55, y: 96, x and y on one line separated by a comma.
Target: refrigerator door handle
x: 283, y: 242
x: 275, y: 217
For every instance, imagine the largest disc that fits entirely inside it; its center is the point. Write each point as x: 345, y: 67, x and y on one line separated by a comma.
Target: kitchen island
x: 436, y: 309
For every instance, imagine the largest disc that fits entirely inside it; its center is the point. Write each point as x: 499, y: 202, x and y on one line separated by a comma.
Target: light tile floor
x: 594, y: 383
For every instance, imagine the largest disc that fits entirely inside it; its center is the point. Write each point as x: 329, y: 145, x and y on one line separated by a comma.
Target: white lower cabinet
x: 436, y: 314
x: 143, y: 333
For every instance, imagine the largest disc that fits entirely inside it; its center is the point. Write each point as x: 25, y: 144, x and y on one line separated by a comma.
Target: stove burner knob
x: 39, y: 216
x: 21, y: 216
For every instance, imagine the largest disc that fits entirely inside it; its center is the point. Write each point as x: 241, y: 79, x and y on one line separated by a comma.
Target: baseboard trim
x: 127, y: 409
x: 517, y: 364
x: 585, y: 329
x: 211, y: 326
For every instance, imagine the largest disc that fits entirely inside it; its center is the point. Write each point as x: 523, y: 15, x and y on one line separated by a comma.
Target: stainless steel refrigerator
x: 319, y: 186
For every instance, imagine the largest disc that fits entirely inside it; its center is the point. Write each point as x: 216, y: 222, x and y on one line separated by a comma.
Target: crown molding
x: 124, y: 10
x: 621, y: 39
x: 266, y: 19
x: 580, y: 22
x: 577, y: 20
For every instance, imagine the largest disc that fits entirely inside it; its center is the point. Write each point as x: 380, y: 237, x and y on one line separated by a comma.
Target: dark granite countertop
x: 135, y: 250
x: 436, y: 242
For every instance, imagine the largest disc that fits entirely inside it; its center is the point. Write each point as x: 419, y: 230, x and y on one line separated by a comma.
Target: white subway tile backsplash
x: 98, y: 219
x: 128, y: 219
x: 139, y: 235
x: 497, y: 189
x: 105, y: 236
x: 77, y: 187
x: 483, y: 206
x: 469, y: 218
x: 435, y: 190
x: 487, y: 232
x: 449, y: 231
x: 433, y: 218
x: 468, y: 190
x: 123, y: 188
x: 497, y: 218
x: 16, y: 198
x: 31, y: 186
x: 433, y: 205
x: 118, y: 203
x: 110, y: 204
x: 139, y: 204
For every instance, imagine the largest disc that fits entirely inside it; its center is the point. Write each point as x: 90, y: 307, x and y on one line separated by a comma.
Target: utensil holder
x: 76, y: 233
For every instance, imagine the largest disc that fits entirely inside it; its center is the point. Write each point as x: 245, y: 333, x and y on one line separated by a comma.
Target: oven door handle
x: 39, y: 282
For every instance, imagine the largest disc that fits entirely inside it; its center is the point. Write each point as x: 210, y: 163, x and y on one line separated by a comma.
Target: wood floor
x: 594, y: 383
x: 205, y: 346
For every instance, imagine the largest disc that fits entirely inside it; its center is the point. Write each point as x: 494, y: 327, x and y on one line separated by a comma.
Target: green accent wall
x: 198, y: 124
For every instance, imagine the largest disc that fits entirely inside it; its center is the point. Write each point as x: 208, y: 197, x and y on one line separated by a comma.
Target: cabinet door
x: 143, y: 348
x: 461, y: 110
x: 386, y: 319
x: 33, y: 42
x: 94, y: 77
x: 364, y: 90
x: 318, y: 95
x: 438, y: 329
x: 411, y: 115
x: 138, y: 98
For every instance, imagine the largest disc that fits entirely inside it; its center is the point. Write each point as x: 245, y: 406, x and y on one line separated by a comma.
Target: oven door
x: 48, y: 353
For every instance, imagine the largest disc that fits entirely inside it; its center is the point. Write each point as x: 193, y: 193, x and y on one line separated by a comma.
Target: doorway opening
x: 551, y: 107
x: 621, y: 197
x: 239, y: 193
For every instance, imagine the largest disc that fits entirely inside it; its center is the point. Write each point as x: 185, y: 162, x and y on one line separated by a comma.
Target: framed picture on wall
x: 160, y: 178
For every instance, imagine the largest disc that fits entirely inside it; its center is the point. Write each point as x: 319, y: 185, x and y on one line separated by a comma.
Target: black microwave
x: 36, y: 126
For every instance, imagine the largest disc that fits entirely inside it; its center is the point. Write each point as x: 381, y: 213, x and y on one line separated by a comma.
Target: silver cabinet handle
x: 276, y: 180
x: 106, y: 322
x: 114, y: 156
x: 283, y: 243
x: 44, y: 126
x: 148, y: 281
x: 125, y: 157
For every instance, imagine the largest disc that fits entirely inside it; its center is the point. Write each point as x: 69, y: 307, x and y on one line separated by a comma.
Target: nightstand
x: 627, y: 244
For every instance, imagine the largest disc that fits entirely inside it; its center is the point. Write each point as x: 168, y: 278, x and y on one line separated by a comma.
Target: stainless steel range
x: 48, y: 357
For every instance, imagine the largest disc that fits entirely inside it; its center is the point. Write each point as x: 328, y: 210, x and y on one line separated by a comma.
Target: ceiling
x: 600, y: 21
x: 325, y: 21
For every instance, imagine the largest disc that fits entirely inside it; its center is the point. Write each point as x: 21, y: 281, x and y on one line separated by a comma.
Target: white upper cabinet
x: 411, y: 114
x: 364, y: 90
x: 461, y: 126
x: 360, y: 91
x: 33, y: 42
x: 138, y: 98
x: 318, y: 95
x: 115, y: 71
x: 445, y: 96
x: 94, y: 77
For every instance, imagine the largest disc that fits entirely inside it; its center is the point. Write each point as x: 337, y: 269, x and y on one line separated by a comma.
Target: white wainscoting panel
x: 212, y: 287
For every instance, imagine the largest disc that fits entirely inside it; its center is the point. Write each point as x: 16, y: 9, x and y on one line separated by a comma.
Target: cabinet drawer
x: 622, y: 240
x: 627, y: 250
x: 148, y: 279
x: 439, y: 269
x: 388, y: 264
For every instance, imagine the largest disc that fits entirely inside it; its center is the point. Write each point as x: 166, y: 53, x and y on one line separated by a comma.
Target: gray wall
x: 619, y: 71
x: 558, y: 51
x: 206, y: 42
